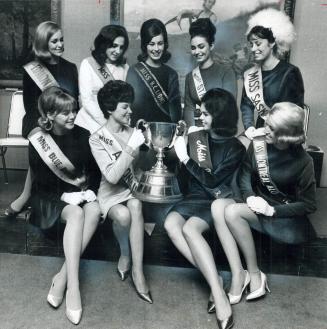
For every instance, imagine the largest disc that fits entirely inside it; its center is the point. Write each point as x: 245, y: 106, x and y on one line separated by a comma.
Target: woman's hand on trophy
x: 260, y: 206
x: 180, y: 149
x: 136, y: 139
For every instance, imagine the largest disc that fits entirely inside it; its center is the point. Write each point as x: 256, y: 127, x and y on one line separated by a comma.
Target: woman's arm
x: 305, y: 195
x: 247, y: 110
x: 292, y: 88
x: 189, y: 104
x: 222, y: 171
x: 174, y: 98
x: 245, y: 174
x: 88, y: 91
x: 112, y: 170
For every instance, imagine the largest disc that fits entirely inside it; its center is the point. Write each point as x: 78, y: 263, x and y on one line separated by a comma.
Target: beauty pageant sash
x: 254, y: 90
x: 199, y: 148
x: 198, y: 82
x: 261, y: 159
x: 101, y: 71
x: 53, y: 157
x: 114, y: 150
x: 40, y: 75
x: 151, y: 82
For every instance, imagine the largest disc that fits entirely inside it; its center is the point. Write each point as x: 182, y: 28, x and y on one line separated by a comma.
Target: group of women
x: 75, y: 178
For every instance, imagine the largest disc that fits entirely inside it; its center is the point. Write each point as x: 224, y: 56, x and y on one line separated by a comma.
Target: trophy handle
x: 144, y: 126
x: 181, y: 130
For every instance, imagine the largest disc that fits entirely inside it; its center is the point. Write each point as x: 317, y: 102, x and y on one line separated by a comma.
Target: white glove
x: 136, y: 140
x: 250, y: 132
x: 74, y: 198
x: 180, y: 149
x: 89, y: 196
x: 260, y: 206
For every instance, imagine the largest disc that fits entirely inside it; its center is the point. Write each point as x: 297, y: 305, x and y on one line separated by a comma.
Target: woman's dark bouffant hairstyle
x: 150, y: 29
x: 54, y: 100
x: 262, y: 33
x: 105, y: 39
x: 203, y: 27
x: 221, y: 104
x: 112, y: 93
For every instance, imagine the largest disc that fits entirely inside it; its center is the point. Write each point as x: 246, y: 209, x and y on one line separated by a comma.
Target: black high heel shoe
x: 123, y: 274
x: 227, y: 323
x: 211, y: 308
x: 146, y: 296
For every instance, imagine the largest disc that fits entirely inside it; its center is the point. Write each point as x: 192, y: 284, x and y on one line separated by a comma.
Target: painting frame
x: 55, y: 16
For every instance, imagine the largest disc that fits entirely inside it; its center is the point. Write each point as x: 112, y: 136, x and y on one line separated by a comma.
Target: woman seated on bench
x: 115, y: 146
x: 64, y: 189
x: 278, y: 189
x: 213, y: 157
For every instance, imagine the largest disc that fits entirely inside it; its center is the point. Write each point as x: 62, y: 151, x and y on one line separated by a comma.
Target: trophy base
x: 158, y: 186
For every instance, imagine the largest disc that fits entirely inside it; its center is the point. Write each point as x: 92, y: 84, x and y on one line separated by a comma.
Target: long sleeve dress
x: 65, y: 73
x: 281, y: 84
x: 47, y: 188
x: 292, y: 172
x: 90, y: 115
x: 145, y: 107
x: 215, y: 76
x: 226, y: 156
x: 113, y: 190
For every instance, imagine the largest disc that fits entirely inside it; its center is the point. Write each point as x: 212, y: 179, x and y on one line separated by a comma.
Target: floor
x: 180, y: 298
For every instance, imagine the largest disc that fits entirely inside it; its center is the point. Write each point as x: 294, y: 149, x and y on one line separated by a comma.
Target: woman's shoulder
x: 80, y: 133
x: 169, y: 69
x: 68, y: 64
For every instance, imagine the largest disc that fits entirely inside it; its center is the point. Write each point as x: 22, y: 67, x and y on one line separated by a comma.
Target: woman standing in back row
x: 271, y: 80
x: 208, y: 74
x: 107, y: 62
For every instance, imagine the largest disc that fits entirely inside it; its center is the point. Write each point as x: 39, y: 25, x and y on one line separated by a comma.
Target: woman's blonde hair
x: 54, y: 100
x: 287, y: 121
x: 43, y: 33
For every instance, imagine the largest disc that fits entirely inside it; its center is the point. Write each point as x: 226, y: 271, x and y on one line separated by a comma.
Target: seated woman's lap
x: 290, y: 230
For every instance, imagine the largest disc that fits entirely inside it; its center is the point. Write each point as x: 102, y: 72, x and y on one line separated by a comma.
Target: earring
x: 49, y: 125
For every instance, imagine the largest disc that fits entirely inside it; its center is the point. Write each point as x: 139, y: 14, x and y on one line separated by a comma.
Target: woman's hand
x: 250, y: 132
x: 82, y: 182
x: 136, y: 140
x: 180, y: 149
x: 260, y: 206
x: 74, y: 198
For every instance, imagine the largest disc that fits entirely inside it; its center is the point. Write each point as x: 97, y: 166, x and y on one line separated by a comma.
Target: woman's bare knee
x: 218, y: 210
x: 73, y: 213
x: 193, y: 227
x: 173, y: 222
x: 121, y: 216
x: 134, y: 205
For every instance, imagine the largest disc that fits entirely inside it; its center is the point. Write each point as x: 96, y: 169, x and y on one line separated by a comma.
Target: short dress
x: 47, y: 188
x: 292, y: 172
x: 226, y: 155
x: 113, y: 190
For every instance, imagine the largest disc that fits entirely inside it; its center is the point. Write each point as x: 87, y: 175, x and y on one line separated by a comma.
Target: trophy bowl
x: 159, y: 185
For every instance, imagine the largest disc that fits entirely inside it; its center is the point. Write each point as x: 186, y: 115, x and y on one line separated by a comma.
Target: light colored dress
x: 113, y: 190
x: 90, y: 116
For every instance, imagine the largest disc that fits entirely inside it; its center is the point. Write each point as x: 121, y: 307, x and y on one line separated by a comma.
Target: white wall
x: 309, y: 53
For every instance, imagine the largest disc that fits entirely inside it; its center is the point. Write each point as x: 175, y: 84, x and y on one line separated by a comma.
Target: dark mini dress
x: 66, y: 75
x: 47, y: 188
x: 292, y: 172
x: 201, y: 184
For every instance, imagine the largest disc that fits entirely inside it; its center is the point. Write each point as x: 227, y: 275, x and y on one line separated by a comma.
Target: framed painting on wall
x: 18, y: 20
x: 230, y: 18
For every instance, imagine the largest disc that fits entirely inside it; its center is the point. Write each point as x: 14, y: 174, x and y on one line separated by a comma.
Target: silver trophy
x: 159, y: 185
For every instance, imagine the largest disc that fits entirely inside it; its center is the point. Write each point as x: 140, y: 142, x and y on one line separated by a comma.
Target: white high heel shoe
x: 234, y: 299
x: 74, y: 316
x: 53, y: 300
x: 261, y: 291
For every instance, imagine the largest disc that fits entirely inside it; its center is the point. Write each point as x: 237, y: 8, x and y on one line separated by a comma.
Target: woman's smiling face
x: 200, y: 49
